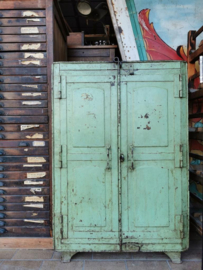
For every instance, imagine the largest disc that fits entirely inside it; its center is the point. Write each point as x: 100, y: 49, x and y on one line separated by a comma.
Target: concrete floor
x: 50, y: 260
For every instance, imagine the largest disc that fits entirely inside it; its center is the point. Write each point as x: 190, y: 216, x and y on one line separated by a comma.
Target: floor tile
x: 149, y: 256
x: 20, y: 265
x: 150, y: 265
x: 58, y: 265
x: 56, y: 255
x: 33, y: 254
x: 191, y: 254
x: 186, y: 266
x: 111, y: 255
x: 82, y: 256
x: 93, y: 265
x: 7, y: 253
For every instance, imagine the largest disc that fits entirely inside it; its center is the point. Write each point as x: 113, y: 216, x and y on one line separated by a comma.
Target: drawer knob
x: 2, y: 136
x: 1, y: 48
x: 1, y: 113
x: 1, y: 80
x: 2, y: 215
x: 2, y: 223
x: 2, y: 175
x: 2, y: 230
x: 2, y: 208
x: 1, y: 96
x: 1, y: 31
x: 2, y: 192
x: 1, y: 56
x: 1, y: 168
x: 23, y: 144
x: 1, y: 120
x: 1, y: 64
x: 1, y: 128
x: 1, y: 105
x: 1, y: 23
x: 1, y: 72
x: 2, y: 160
x: 2, y: 200
x: 1, y: 184
x: 1, y: 39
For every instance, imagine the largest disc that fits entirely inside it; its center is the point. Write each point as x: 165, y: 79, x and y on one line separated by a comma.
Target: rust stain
x: 147, y: 127
x: 146, y: 115
x: 87, y: 97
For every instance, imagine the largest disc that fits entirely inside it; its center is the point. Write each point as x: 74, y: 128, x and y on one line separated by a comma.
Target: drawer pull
x: 2, y: 200
x: 2, y: 136
x: 1, y: 23
x: 1, y: 48
x: 1, y: 31
x: 1, y: 39
x: 23, y: 144
x: 2, y: 175
x: 3, y: 230
x: 2, y: 153
x: 2, y: 208
x: 1, y: 184
x: 1, y: 128
x: 1, y: 72
x: 1, y: 120
x: 2, y: 192
x: 1, y: 105
x: 2, y: 160
x: 1, y: 96
x: 2, y: 215
x: 2, y: 223
x: 1, y: 168
x: 1, y: 64
x: 1, y: 80
x: 1, y: 56
x: 1, y: 113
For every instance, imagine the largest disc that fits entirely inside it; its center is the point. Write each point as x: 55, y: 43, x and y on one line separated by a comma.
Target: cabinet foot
x: 66, y: 256
x: 174, y: 256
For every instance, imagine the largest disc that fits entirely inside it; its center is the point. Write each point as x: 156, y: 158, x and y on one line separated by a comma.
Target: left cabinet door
x: 85, y: 157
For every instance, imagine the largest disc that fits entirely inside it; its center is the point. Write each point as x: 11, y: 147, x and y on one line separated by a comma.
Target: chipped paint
x: 28, y: 182
x: 87, y: 96
x: 30, y: 85
x: 40, y: 205
x: 36, y: 143
x: 32, y: 165
x: 30, y: 46
x: 34, y: 199
x: 33, y: 190
x: 34, y: 55
x: 31, y: 102
x: 24, y: 127
x: 31, y: 94
x: 35, y: 159
x: 36, y: 175
x: 35, y: 136
x: 29, y: 13
x: 34, y: 220
x: 29, y: 30
x: 30, y: 62
x: 33, y: 20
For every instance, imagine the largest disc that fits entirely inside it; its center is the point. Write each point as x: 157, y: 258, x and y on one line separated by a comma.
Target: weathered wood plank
x: 20, y: 104
x: 24, y: 144
x: 23, y: 87
x: 24, y: 199
x: 21, y: 13
x: 22, y: 21
x: 24, y: 167
x: 23, y: 112
x: 23, y: 47
x: 23, y: 79
x: 24, y: 183
x: 26, y: 160
x: 24, y: 128
x: 22, y: 55
x: 23, y: 96
x: 18, y: 30
x: 23, y: 71
x: 35, y: 190
x: 23, y: 38
x: 23, y: 63
x: 26, y: 243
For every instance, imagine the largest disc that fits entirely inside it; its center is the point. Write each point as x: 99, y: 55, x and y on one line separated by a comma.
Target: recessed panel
x: 150, y: 116
x: 88, y: 117
x: 89, y: 194
x: 148, y: 197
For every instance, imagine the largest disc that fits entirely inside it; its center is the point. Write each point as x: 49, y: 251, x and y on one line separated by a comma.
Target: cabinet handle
x: 108, y: 149
x: 1, y: 105
x: 1, y: 39
x: 2, y: 215
x: 2, y: 223
x: 1, y: 48
x: 2, y: 160
x: 1, y: 184
x: 1, y: 56
x: 1, y: 168
x: 2, y: 192
x: 2, y: 200
x: 1, y: 31
x: 2, y: 153
x: 23, y: 144
x: 1, y: 80
x: 132, y: 167
x: 2, y: 175
x: 1, y: 96
x: 2, y: 136
x: 1, y: 72
x: 2, y: 230
x: 2, y: 207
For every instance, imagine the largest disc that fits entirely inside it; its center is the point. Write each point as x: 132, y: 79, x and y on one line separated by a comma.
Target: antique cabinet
x: 32, y: 36
x: 120, y: 157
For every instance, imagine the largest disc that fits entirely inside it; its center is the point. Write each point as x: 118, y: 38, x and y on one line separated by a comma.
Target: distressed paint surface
x: 101, y: 204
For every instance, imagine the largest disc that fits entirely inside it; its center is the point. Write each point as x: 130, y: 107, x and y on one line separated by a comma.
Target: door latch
x: 122, y: 158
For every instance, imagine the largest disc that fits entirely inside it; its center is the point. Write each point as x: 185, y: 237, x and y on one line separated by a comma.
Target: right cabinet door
x: 154, y: 174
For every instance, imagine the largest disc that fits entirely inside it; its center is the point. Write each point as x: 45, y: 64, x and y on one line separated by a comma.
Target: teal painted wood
x: 91, y: 128
x: 136, y: 29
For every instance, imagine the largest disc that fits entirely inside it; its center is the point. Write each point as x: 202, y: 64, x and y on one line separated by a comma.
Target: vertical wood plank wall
x: 32, y: 36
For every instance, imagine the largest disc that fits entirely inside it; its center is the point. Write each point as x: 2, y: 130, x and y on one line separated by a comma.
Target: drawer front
x: 18, y: 30
x: 22, y: 21
x: 23, y: 63
x: 22, y: 47
x: 22, y: 13
x: 23, y: 55
x: 22, y: 38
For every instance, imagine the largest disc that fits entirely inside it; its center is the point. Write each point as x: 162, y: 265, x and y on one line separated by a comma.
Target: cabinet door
x: 89, y: 174
x: 154, y: 142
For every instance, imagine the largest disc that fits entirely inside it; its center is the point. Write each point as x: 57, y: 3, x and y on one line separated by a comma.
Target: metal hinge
x: 61, y: 227
x: 180, y: 91
x: 181, y: 155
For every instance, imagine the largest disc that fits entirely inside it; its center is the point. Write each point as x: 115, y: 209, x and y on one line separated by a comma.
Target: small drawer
x: 22, y: 13
x: 22, y: 21
x: 22, y: 47
x: 17, y: 30
x: 8, y: 96
x: 23, y: 63
x: 23, y: 56
x: 22, y: 38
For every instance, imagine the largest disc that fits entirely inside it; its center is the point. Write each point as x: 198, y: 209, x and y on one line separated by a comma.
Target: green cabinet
x: 120, y: 157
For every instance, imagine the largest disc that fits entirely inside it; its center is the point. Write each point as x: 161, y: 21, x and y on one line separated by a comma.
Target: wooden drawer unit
x: 27, y: 36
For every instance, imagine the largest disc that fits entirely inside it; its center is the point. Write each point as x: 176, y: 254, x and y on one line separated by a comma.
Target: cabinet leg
x: 66, y: 256
x: 174, y: 256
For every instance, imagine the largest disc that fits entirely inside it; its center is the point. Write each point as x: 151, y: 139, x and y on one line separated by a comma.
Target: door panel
x: 150, y: 141
x: 89, y: 174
